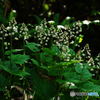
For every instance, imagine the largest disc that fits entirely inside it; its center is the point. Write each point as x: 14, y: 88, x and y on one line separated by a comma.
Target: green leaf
x: 53, y: 72
x: 32, y: 46
x: 60, y: 81
x: 1, y: 63
x: 71, y: 77
x: 3, y: 82
x: 56, y: 50
x: 19, y: 59
x: 20, y: 73
x: 83, y: 71
x: 35, y: 62
x: 17, y: 73
x: 13, y: 68
x: 72, y: 52
x: 66, y: 64
x: 89, y: 86
x: 44, y: 67
x: 13, y: 51
x: 6, y: 69
x: 45, y: 90
x: 47, y: 50
x: 45, y: 57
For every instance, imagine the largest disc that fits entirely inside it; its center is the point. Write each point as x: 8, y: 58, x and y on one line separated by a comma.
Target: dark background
x: 79, y: 9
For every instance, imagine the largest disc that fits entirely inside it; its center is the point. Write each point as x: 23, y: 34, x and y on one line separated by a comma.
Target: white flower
x: 70, y: 84
x: 8, y: 43
x: 51, y: 22
x: 5, y: 43
x: 71, y: 42
x: 60, y: 26
x: 67, y: 17
x: 15, y: 29
x: 9, y: 27
x: 6, y: 34
x: 46, y: 44
x: 96, y: 21
x: 14, y: 11
x: 86, y: 22
x: 16, y: 38
x: 6, y: 47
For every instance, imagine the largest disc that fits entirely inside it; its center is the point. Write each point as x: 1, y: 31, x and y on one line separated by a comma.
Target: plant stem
x: 3, y: 51
x: 23, y: 70
x: 10, y: 63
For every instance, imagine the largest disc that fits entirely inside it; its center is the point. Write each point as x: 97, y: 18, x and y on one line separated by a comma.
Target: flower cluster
x: 98, y: 61
x: 14, y: 32
x: 86, y: 53
x: 23, y: 32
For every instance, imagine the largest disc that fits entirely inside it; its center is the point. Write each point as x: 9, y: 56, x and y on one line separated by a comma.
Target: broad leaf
x: 83, y: 71
x: 47, y: 50
x: 45, y: 90
x: 17, y: 73
x: 89, y: 86
x: 45, y: 57
x: 13, y: 51
x: 18, y: 58
x: 32, y: 46
x: 72, y: 77
x: 13, y: 68
x: 3, y: 82
x: 56, y: 50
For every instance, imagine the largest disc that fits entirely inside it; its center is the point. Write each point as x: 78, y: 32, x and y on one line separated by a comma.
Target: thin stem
x: 10, y: 63
x: 3, y: 51
x: 23, y: 70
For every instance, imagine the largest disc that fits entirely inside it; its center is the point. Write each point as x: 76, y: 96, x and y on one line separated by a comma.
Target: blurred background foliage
x: 28, y: 11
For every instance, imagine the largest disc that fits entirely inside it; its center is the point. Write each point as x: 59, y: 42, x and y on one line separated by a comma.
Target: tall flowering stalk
x: 11, y: 29
x: 2, y: 31
x: 24, y: 31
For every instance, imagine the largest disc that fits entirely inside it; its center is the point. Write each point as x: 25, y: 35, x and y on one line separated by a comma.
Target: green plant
x: 49, y: 65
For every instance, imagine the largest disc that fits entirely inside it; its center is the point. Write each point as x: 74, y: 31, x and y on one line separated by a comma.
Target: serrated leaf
x: 45, y: 57
x: 17, y: 73
x: 13, y: 51
x: 6, y: 69
x: 56, y: 50
x: 13, y: 68
x: 35, y: 62
x: 89, y: 86
x: 32, y: 46
x: 60, y: 81
x: 19, y: 59
x: 47, y: 50
x: 72, y: 77
x: 83, y: 71
x: 45, y: 90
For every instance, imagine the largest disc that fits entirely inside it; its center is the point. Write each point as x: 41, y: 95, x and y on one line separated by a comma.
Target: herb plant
x: 46, y: 64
